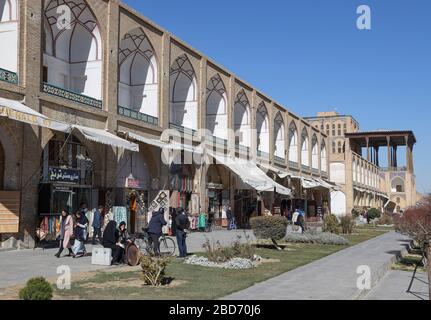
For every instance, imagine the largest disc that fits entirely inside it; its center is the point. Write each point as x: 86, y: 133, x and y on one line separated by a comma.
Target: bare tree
x: 416, y: 223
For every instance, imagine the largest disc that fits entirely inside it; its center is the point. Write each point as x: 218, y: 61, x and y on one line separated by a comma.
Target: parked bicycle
x: 145, y: 244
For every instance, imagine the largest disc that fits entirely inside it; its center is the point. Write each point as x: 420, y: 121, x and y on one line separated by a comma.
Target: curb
x: 379, y: 274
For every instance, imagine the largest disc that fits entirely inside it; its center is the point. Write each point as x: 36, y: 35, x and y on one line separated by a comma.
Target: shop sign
x: 64, y: 175
x: 133, y: 183
x: 215, y: 186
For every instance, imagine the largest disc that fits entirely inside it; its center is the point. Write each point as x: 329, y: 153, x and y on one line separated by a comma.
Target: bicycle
x: 145, y: 244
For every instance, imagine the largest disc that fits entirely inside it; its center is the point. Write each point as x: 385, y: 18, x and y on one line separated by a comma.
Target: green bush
x: 373, y: 213
x: 355, y: 213
x: 347, y: 224
x: 269, y: 227
x: 386, y: 219
x: 153, y: 270
x: 316, y: 238
x: 36, y: 289
x: 330, y: 224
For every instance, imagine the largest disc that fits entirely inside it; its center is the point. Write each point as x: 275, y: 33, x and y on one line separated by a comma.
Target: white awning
x: 280, y: 173
x: 104, y: 137
x: 17, y: 111
x: 149, y: 141
x: 309, y: 184
x: 250, y: 173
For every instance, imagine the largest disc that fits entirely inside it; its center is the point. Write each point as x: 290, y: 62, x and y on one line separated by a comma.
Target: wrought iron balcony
x: 70, y: 95
x: 8, y: 76
x: 133, y: 114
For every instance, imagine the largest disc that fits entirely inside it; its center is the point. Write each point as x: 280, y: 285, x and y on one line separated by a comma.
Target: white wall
x: 293, y: 147
x: 338, y: 172
x: 9, y: 44
x: 217, y: 115
x: 242, y: 124
x: 132, y: 162
x: 338, y: 203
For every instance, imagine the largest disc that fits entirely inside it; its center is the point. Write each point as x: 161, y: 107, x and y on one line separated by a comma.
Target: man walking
x: 182, y: 222
x: 229, y: 218
x: 97, y: 224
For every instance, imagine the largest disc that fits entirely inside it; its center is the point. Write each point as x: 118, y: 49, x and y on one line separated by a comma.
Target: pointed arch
x: 138, y: 80
x: 183, y: 93
x: 293, y: 142
x: 216, y: 109
x: 315, y: 152
x: 262, y: 127
x: 305, y: 147
x: 73, y: 53
x: 9, y: 34
x: 242, y: 120
x: 323, y: 157
x: 279, y: 133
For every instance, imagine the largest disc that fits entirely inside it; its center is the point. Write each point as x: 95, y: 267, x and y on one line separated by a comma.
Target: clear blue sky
x: 309, y: 56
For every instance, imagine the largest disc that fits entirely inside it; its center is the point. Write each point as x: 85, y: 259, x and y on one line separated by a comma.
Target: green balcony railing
x: 315, y: 171
x: 182, y: 129
x: 8, y: 76
x: 293, y: 165
x: 305, y: 168
x: 262, y: 154
x: 136, y: 115
x: 279, y: 160
x: 70, y: 95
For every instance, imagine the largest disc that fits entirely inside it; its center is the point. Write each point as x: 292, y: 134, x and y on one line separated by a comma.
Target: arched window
x: 217, y: 107
x: 262, y: 127
x: 2, y: 167
x: 305, y: 156
x: 398, y: 185
x: 73, y: 52
x: 280, y: 149
x: 242, y: 120
x: 9, y: 35
x: 315, y: 153
x: 183, y: 94
x: 293, y: 143
x: 138, y: 87
x: 323, y: 159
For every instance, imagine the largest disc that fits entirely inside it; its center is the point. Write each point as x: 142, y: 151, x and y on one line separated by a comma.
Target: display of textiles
x: 193, y: 223
x: 51, y: 224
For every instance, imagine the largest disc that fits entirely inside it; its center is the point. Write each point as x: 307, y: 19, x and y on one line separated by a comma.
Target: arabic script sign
x: 64, y: 175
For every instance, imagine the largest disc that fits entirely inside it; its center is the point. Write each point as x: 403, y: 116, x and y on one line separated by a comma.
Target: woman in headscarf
x: 111, y: 236
x: 80, y: 234
x: 66, y: 231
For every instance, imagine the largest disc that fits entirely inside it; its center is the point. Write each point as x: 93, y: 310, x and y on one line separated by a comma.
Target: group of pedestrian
x: 75, y: 227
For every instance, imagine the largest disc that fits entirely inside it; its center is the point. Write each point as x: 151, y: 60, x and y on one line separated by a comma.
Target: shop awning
x: 163, y: 145
x: 309, y: 184
x: 250, y: 173
x: 280, y: 173
x: 17, y: 111
x: 104, y: 137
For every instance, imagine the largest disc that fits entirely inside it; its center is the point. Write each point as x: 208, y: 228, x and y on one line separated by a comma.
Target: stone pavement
x: 16, y: 267
x: 333, y: 277
x: 395, y: 284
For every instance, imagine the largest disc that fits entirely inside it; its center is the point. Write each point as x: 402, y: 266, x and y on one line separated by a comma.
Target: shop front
x: 67, y: 182
x: 218, y: 192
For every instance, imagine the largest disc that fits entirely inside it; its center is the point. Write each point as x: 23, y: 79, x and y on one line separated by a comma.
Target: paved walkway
x: 333, y: 277
x: 395, y: 284
x: 16, y: 267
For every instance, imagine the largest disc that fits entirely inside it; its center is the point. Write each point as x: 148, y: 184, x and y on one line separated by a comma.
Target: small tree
x: 36, y: 289
x: 416, y: 223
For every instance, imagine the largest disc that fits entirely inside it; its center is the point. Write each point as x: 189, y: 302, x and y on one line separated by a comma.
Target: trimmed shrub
x: 386, y: 220
x: 373, y: 213
x: 153, y: 270
x: 330, y: 224
x: 269, y: 227
x: 347, y: 224
x: 317, y: 238
x: 36, y: 289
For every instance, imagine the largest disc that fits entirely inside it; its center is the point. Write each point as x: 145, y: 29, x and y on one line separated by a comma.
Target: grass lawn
x: 199, y: 283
